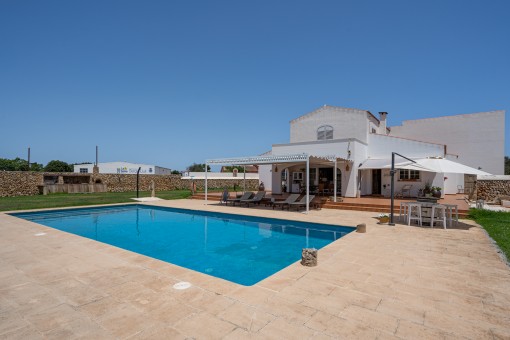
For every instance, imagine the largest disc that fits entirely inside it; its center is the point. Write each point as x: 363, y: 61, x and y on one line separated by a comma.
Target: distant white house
x: 361, y: 145
x: 122, y: 168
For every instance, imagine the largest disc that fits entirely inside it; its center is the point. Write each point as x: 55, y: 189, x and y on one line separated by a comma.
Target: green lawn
x: 70, y: 200
x: 497, y: 224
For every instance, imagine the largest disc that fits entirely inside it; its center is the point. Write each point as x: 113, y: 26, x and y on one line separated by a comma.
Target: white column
x: 334, y: 181
x: 205, y: 233
x: 307, y: 183
x: 205, y: 183
x: 244, y: 184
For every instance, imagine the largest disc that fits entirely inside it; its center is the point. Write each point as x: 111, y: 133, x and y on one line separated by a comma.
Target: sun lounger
x: 302, y: 202
x: 258, y: 197
x: 291, y: 199
x: 245, y: 196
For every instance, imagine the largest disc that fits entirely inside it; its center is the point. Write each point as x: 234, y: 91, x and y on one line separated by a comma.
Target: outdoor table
x: 426, y: 212
x: 427, y: 199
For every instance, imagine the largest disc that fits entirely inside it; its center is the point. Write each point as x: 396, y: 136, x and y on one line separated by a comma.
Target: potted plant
x: 427, y: 191
x: 383, y: 218
x: 436, y: 192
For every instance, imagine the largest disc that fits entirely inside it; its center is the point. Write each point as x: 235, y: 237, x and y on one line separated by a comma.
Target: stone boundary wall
x: 491, y: 189
x: 25, y: 183
x: 20, y: 183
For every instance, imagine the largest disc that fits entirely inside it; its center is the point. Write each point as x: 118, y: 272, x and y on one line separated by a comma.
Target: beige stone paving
x: 390, y: 283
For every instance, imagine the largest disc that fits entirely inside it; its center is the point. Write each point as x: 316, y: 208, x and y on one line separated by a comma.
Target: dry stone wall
x: 492, y: 190
x: 19, y: 183
x: 24, y: 183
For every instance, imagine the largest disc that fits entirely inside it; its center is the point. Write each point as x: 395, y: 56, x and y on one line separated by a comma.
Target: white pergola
x: 291, y: 159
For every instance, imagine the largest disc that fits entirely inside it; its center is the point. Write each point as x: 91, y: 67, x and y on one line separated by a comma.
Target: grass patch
x: 497, y: 224
x: 71, y: 200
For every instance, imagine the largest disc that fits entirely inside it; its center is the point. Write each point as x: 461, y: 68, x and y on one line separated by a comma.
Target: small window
x: 325, y: 132
x: 409, y: 175
x: 84, y: 171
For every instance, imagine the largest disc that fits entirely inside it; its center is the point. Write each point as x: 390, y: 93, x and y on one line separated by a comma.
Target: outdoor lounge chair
x: 405, y: 191
x: 246, y: 195
x: 301, y: 202
x: 256, y: 199
x: 291, y: 199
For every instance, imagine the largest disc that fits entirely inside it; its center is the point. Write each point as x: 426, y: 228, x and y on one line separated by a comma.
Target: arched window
x: 325, y: 132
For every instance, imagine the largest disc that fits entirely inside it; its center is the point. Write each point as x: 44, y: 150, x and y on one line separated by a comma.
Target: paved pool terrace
x: 391, y: 283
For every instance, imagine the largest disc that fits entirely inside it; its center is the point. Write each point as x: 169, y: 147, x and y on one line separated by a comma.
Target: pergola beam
x: 279, y: 159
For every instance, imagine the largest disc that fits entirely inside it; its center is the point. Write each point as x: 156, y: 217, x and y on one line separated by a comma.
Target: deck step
x: 379, y: 208
x: 374, y: 207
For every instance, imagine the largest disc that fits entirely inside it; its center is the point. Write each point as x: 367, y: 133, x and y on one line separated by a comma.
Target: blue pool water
x: 237, y: 248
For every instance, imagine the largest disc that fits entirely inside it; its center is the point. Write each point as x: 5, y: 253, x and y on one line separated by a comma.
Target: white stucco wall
x: 339, y: 147
x: 434, y: 179
x: 381, y: 146
x: 478, y: 139
x: 452, y: 183
x: 266, y: 176
x: 346, y: 123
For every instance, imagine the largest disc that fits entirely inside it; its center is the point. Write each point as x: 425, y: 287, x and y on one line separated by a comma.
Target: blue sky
x: 176, y: 82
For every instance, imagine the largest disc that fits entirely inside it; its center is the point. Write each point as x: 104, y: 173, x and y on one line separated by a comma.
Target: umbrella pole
x: 392, y: 173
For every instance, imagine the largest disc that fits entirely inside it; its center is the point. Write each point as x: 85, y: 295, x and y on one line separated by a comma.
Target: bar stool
x: 441, y: 209
x: 404, y: 206
x: 480, y: 204
x: 416, y: 208
x: 451, y: 208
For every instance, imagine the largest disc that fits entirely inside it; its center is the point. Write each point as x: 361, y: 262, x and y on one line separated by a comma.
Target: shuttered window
x: 325, y: 132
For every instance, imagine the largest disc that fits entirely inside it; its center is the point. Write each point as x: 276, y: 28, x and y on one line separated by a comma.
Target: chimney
x: 382, y: 122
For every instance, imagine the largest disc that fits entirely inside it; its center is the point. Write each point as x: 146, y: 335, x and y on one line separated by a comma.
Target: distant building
x: 250, y: 169
x: 122, y: 168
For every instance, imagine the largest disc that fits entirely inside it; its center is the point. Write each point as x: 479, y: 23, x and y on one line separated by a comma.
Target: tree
x: 58, y: 166
x: 198, y: 168
x: 175, y: 172
x: 36, y: 167
x: 16, y: 164
x: 507, y: 165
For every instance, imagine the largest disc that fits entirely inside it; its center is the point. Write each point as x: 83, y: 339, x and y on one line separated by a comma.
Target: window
x: 325, y: 132
x: 409, y: 175
x: 84, y: 171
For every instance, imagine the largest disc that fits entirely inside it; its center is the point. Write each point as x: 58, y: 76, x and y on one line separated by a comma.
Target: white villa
x: 356, y: 147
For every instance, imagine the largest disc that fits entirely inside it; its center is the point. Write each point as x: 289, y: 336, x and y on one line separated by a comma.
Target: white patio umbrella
x: 386, y: 164
x: 443, y: 165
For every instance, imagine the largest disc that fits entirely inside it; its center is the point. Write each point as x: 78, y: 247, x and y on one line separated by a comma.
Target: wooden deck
x: 368, y: 203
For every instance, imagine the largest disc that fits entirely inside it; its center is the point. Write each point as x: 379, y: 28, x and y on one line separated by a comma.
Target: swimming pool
x: 241, y: 249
